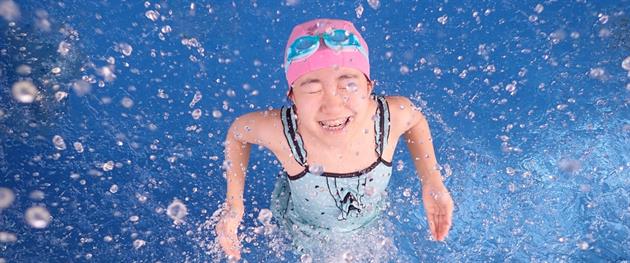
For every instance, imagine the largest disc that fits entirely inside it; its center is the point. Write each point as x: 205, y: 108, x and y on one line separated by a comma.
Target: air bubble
x: 37, y: 217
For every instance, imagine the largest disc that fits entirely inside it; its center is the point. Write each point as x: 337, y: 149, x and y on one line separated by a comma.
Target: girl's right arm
x: 237, y: 150
x: 251, y: 128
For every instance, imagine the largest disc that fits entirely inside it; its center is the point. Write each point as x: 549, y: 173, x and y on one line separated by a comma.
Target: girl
x: 335, y: 142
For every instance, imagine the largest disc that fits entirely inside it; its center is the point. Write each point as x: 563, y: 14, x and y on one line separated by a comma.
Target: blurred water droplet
x: 166, y: 29
x: 134, y: 218
x: 510, y: 171
x: 59, y: 143
x: 374, y: 4
x: 9, y: 10
x: 264, y: 216
x: 177, y: 211
x: 37, y: 217
x: 230, y: 93
x: 37, y: 195
x: 6, y: 197
x: 569, y: 165
x: 24, y: 91
x: 316, y: 169
x: 152, y: 15
x: 583, y: 245
x: 126, y: 102
x: 404, y: 70
x: 306, y: 258
x: 81, y: 87
x: 113, y: 189
x: 7, y: 237
x: 597, y: 73
x: 24, y: 70
x: 539, y: 8
x: 63, y: 48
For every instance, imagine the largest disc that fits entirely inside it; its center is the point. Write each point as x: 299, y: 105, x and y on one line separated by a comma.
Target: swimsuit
x: 316, y: 203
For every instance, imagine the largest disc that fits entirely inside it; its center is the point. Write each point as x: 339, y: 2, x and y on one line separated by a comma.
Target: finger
x: 432, y: 226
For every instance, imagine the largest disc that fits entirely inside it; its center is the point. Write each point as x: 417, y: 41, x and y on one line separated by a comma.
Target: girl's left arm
x: 437, y: 201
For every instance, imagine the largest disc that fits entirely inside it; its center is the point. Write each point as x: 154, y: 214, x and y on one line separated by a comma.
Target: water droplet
x: 78, y: 147
x: 596, y: 73
x: 539, y: 8
x: 196, y: 114
x: 81, y: 87
x: 443, y: 19
x: 37, y: 217
x: 510, y: 87
x: 216, y: 114
x: 407, y: 192
x: 359, y: 11
x: 625, y: 64
x: 134, y: 218
x: 166, y: 29
x: 583, y: 245
x: 59, y: 143
x: 6, y: 197
x: 113, y: 189
x: 126, y: 102
x: 37, y: 195
x: 152, y: 15
x: 306, y: 258
x: 404, y: 70
x: 124, y: 48
x: 139, y: 243
x: 230, y: 93
x: 510, y: 171
x: 400, y: 165
x: 316, y: 169
x: 24, y: 91
x: 177, y: 211
x: 108, y: 166
x: 264, y: 216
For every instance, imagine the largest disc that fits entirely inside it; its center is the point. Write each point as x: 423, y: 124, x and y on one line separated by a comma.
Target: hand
x: 438, y: 206
x: 226, y: 231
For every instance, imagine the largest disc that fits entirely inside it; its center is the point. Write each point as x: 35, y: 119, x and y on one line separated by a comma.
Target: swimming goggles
x: 338, y: 39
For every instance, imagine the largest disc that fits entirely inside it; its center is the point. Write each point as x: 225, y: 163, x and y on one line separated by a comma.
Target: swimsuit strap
x: 294, y: 139
x: 381, y: 125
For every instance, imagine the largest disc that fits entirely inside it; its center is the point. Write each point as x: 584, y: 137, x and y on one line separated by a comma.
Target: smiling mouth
x: 335, y: 125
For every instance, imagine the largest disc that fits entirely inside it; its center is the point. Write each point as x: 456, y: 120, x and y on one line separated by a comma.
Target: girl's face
x: 332, y: 103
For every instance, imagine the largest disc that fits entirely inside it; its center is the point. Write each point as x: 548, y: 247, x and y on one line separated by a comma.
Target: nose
x: 333, y: 100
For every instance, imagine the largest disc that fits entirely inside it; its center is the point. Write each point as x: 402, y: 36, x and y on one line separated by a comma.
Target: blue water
x: 527, y: 100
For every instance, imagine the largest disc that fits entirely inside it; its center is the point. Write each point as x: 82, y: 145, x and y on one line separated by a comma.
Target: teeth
x: 334, y: 123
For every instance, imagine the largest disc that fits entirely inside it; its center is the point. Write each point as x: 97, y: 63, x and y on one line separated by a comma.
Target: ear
x: 370, y: 85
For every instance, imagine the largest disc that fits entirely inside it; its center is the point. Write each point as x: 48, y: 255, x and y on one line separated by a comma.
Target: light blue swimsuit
x: 312, y: 205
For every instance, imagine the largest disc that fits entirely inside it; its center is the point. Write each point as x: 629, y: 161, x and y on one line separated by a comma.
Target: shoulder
x: 259, y: 127
x: 403, y: 113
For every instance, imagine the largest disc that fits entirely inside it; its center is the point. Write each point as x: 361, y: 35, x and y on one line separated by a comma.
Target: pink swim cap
x: 324, y: 56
